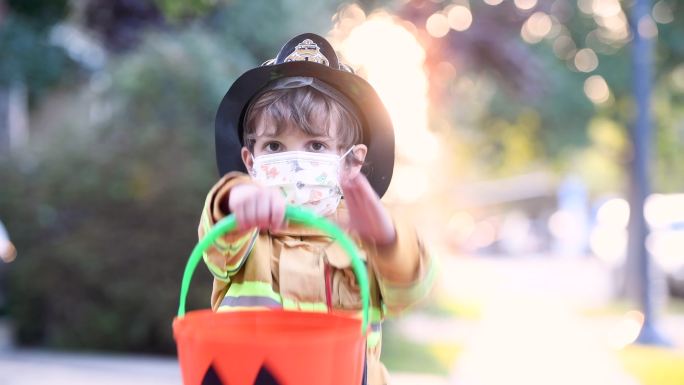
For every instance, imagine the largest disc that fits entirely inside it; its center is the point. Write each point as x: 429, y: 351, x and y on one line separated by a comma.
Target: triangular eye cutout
x: 265, y: 377
x: 211, y: 378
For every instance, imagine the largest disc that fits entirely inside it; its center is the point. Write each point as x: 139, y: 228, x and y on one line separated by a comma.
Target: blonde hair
x: 310, y: 110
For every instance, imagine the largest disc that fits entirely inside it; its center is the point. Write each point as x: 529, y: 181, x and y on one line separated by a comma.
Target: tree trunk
x: 641, y: 273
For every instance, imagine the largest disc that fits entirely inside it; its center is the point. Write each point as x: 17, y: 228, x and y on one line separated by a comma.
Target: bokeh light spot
x: 460, y: 18
x: 586, y: 60
x: 537, y: 27
x: 596, y: 89
x: 437, y: 25
x: 525, y: 4
x: 662, y: 12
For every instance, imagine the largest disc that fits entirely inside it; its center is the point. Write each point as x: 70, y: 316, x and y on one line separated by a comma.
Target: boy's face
x: 295, y: 139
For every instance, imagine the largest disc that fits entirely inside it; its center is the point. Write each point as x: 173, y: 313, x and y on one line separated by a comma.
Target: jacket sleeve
x: 228, y: 253
x: 404, y: 270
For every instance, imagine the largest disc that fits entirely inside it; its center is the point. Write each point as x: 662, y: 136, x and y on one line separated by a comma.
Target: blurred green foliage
x: 104, y: 205
x: 104, y: 214
x: 27, y: 55
x: 42, y: 14
x: 176, y: 9
x: 531, y: 111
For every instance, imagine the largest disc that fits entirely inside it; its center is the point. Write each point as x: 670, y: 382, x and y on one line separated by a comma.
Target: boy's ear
x: 360, y: 151
x: 247, y: 159
x: 359, y: 154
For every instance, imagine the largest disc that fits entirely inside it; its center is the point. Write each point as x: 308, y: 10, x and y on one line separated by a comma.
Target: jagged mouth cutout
x: 264, y: 377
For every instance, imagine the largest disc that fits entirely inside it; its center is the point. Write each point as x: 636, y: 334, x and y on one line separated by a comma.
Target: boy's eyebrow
x: 316, y: 137
x: 268, y: 136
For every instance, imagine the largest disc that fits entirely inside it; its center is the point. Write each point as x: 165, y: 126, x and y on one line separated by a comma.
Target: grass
x: 654, y: 366
x: 401, y: 355
x: 441, y: 306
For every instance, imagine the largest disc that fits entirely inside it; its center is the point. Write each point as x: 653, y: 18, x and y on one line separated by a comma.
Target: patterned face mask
x: 307, y: 179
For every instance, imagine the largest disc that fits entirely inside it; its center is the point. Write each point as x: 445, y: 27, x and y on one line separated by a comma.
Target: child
x: 297, y: 130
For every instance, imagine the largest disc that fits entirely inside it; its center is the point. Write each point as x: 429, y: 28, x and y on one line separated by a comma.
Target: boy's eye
x: 272, y: 146
x: 318, y: 146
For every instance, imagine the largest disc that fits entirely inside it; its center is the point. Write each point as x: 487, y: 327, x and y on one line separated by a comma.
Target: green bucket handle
x: 294, y: 214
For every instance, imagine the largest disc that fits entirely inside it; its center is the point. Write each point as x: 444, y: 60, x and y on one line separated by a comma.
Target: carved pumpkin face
x: 264, y: 377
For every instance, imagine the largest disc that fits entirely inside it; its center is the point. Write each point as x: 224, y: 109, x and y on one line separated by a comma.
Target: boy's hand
x: 257, y: 206
x: 367, y: 216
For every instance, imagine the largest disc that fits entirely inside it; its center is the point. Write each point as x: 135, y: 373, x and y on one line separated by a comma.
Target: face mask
x: 307, y: 179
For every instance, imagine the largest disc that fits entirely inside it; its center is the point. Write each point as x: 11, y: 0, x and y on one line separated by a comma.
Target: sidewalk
x: 34, y: 367
x: 37, y: 367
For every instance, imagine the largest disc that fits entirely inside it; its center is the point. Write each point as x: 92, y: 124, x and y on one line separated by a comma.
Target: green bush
x: 104, y: 205
x: 105, y: 212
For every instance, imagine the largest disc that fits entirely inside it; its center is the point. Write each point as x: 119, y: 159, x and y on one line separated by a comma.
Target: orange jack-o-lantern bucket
x: 272, y: 347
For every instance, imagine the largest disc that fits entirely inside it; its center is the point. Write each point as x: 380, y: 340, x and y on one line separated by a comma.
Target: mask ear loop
x: 341, y: 159
x: 347, y: 153
x: 252, y: 172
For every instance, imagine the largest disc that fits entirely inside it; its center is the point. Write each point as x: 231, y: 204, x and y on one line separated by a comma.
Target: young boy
x: 297, y: 130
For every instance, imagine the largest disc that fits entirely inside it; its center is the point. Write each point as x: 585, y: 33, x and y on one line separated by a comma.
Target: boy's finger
x: 263, y: 210
x: 250, y: 213
x: 277, y: 211
x: 350, y: 183
x: 239, y: 212
x: 360, y: 191
x: 350, y: 193
x: 366, y: 188
x: 355, y: 190
x: 365, y: 197
x: 351, y: 198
